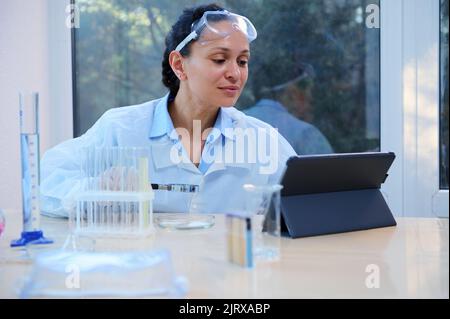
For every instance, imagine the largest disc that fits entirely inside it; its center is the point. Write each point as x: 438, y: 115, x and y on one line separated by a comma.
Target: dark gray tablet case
x: 327, y: 194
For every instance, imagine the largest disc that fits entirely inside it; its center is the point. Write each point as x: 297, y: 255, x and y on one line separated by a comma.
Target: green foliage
x: 120, y: 43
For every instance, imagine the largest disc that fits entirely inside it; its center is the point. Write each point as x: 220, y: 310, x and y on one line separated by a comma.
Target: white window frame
x: 60, y: 73
x: 410, y: 103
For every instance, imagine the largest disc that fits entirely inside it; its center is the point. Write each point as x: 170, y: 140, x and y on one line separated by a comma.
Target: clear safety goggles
x: 210, y: 27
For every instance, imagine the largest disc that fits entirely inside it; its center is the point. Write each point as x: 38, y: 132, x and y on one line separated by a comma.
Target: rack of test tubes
x: 116, y: 198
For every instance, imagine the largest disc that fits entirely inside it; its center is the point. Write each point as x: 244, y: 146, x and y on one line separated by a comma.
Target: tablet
x: 335, y: 172
x: 328, y: 194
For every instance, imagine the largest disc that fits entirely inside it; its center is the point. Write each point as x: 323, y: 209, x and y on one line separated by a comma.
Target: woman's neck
x: 185, y: 109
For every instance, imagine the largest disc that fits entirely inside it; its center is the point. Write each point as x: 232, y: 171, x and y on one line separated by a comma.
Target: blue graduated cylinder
x: 29, y: 149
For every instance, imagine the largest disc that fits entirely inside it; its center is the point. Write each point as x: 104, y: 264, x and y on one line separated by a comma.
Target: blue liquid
x: 29, y: 146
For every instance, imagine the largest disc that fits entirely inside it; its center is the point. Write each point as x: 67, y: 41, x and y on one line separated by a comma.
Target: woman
x: 215, y: 146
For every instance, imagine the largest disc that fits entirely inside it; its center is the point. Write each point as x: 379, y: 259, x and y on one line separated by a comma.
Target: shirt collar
x: 163, y: 125
x: 223, y: 126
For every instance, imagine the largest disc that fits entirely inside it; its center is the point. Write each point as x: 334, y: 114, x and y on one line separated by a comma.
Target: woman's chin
x: 228, y: 102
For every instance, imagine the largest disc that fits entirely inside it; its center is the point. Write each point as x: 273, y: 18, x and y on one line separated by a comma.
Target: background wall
x: 34, y: 51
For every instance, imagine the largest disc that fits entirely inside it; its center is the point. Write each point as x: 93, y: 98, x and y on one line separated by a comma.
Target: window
x: 444, y: 149
x: 319, y: 59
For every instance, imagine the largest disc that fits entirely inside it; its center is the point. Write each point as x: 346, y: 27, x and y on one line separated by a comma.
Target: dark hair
x: 178, y: 32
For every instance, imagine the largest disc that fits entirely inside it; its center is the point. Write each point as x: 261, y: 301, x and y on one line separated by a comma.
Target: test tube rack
x: 116, y: 197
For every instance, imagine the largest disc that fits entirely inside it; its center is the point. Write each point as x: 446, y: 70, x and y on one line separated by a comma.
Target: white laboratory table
x: 412, y: 261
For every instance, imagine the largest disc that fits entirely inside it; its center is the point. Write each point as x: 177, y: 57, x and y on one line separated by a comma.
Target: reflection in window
x: 321, y: 64
x: 315, y: 76
x: 444, y: 97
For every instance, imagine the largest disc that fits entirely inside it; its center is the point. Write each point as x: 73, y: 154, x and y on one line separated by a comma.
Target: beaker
x: 262, y: 206
x: 196, y: 217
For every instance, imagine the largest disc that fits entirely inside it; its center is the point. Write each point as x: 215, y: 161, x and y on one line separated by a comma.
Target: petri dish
x: 182, y: 221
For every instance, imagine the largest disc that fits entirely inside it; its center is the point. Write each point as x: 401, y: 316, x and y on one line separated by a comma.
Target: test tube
x: 114, y: 203
x: 87, y: 205
x: 134, y: 185
x: 108, y: 186
x: 122, y: 184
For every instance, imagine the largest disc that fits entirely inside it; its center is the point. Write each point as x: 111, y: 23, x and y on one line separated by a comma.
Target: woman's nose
x: 233, y: 72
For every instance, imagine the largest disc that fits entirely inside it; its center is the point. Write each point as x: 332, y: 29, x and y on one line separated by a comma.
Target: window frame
x: 60, y: 73
x: 73, y: 51
x: 410, y: 43
x: 441, y: 196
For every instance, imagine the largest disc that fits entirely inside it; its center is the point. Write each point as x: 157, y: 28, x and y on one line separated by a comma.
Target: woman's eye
x: 243, y: 62
x: 219, y: 61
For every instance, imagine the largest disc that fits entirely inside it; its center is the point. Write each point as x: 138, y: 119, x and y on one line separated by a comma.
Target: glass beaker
x: 196, y: 217
x: 262, y: 206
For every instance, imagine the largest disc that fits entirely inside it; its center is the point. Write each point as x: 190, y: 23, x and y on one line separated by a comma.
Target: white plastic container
x: 63, y: 274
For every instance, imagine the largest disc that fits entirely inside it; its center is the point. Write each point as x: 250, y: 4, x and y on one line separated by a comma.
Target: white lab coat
x: 149, y: 125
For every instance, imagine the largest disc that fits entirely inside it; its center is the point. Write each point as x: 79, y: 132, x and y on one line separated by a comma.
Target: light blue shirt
x: 149, y: 125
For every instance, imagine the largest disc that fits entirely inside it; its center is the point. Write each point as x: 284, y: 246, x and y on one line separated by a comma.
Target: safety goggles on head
x: 209, y: 27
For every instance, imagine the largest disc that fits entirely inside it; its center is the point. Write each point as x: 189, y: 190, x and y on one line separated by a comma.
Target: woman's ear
x: 176, y: 62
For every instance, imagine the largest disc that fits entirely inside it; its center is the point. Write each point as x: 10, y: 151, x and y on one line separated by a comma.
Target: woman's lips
x: 230, y: 90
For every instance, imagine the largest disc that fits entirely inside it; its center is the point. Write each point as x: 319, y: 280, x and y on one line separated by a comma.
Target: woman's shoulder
x: 128, y: 118
x: 131, y: 112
